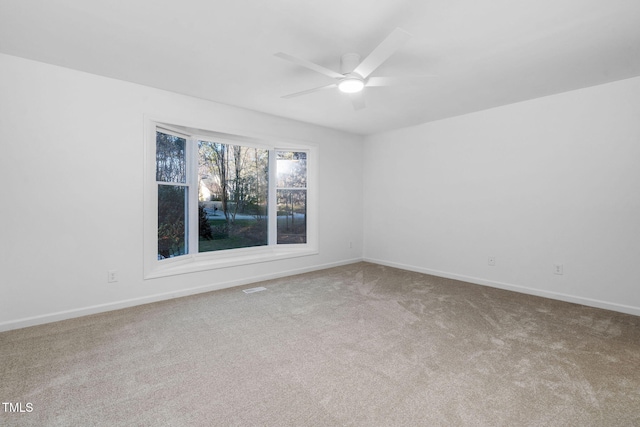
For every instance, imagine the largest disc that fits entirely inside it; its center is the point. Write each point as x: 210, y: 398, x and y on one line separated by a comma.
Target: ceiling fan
x: 354, y: 74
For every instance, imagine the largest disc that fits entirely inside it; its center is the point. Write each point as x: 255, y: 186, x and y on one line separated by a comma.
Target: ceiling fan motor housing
x: 352, y: 82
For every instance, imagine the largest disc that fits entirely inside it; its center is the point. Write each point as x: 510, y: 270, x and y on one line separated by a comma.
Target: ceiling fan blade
x: 310, y: 65
x: 397, y: 81
x: 357, y: 99
x: 382, y: 52
x: 304, y: 92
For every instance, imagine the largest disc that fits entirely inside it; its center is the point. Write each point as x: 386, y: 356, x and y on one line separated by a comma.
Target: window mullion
x: 273, y: 200
x: 192, y: 179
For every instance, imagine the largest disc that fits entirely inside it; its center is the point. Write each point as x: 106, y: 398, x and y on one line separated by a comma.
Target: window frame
x: 195, y: 261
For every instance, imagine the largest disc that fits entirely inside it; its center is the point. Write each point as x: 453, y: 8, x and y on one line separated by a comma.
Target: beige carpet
x: 359, y: 345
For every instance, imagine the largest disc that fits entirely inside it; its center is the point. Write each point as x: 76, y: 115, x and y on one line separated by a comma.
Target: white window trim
x: 194, y: 262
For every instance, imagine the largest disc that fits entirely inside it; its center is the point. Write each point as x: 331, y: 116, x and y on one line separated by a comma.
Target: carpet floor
x: 358, y: 345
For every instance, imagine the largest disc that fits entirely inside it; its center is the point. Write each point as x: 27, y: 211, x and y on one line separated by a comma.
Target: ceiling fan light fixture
x: 351, y: 85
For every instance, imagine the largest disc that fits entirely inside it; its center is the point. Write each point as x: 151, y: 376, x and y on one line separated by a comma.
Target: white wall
x: 552, y: 180
x: 71, y: 168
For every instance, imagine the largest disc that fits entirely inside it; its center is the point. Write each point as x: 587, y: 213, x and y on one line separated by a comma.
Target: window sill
x: 224, y: 259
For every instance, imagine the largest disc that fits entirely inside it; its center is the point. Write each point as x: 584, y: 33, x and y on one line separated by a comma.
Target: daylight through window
x: 292, y: 196
x: 233, y: 188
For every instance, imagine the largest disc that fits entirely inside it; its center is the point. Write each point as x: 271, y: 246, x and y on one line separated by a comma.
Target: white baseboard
x: 101, y: 308
x: 516, y: 288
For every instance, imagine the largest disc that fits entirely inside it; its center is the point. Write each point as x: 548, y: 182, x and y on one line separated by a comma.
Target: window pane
x: 292, y: 169
x: 172, y: 212
x: 171, y: 164
x: 233, y: 192
x: 292, y: 216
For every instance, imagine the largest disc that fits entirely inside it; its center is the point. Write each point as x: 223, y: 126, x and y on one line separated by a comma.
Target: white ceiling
x: 483, y: 53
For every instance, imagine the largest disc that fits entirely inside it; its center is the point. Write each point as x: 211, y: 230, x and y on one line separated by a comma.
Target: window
x: 292, y: 196
x: 171, y: 177
x: 218, y: 200
x: 233, y: 193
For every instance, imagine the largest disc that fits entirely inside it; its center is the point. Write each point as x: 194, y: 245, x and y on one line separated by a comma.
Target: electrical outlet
x: 491, y: 261
x: 350, y: 245
x: 558, y: 269
x: 112, y: 276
